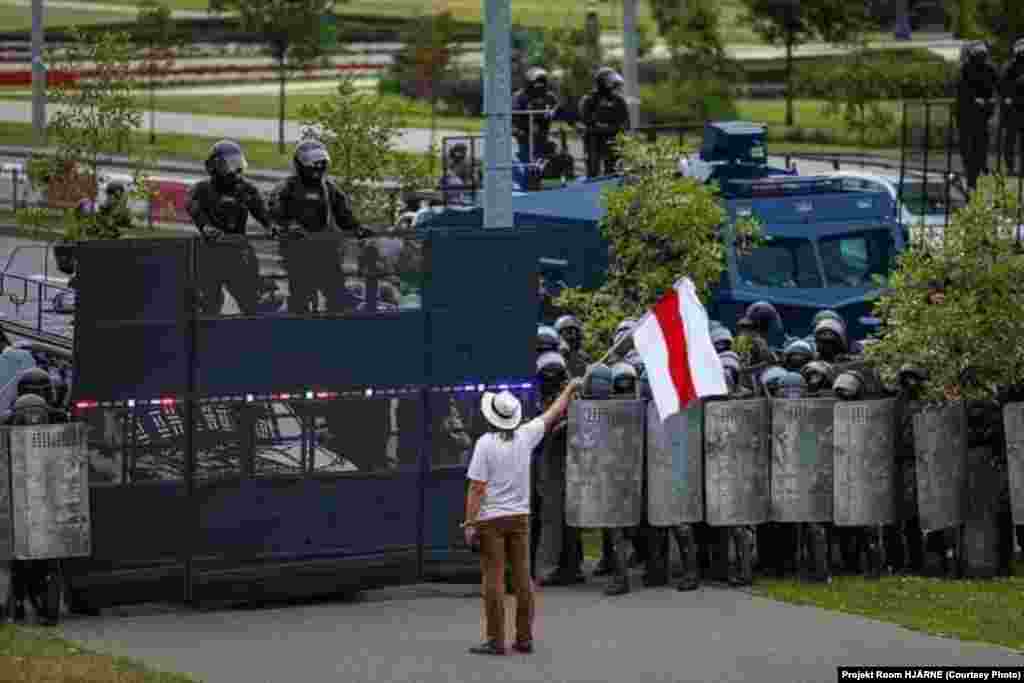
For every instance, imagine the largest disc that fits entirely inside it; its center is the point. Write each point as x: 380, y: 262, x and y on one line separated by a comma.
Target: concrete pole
x: 631, y: 49
x: 498, y: 108
x: 38, y: 74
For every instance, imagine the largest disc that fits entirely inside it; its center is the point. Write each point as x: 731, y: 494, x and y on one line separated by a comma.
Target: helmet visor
x: 232, y: 164
x: 312, y: 156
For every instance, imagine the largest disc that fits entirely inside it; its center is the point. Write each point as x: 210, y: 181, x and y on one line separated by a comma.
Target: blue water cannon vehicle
x: 826, y: 246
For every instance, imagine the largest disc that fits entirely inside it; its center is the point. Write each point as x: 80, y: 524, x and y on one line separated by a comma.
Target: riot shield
x: 604, y: 468
x: 865, y: 459
x: 737, y: 447
x: 50, y: 491
x: 1013, y: 422
x: 675, y: 467
x: 802, y: 452
x: 983, y: 486
x: 940, y: 443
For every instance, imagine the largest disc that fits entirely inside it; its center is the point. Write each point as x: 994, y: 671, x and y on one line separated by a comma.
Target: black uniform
x: 605, y: 115
x: 1011, y: 89
x: 534, y: 97
x: 309, y: 203
x: 975, y: 104
x: 228, y: 261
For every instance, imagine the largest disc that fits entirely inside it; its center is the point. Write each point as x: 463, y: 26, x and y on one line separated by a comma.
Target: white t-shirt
x: 505, y: 467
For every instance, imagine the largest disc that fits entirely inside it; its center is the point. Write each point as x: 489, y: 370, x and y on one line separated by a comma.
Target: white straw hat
x: 502, y: 410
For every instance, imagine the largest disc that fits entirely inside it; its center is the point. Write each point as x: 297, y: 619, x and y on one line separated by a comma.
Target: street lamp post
x: 498, y: 107
x: 38, y: 74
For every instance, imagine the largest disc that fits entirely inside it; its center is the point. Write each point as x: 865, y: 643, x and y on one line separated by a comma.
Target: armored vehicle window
x: 855, y: 260
x: 780, y: 263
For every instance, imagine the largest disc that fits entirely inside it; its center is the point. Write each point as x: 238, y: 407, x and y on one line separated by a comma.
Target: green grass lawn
x: 31, y: 655
x: 984, y: 611
x: 19, y: 18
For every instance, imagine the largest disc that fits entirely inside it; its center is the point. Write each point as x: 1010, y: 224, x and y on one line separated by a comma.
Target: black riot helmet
x: 797, y: 354
x: 731, y: 367
x: 607, y: 79
x: 911, y: 378
x: 30, y: 409
x: 570, y: 329
x: 721, y: 337
x: 311, y: 161
x: 115, y: 191
x: 552, y: 373
x: 764, y: 316
x: 623, y: 329
x: 537, y: 79
x: 36, y: 381
x: 849, y: 386
x: 598, y: 382
x: 547, y: 339
x: 1018, y: 49
x: 818, y: 375
x: 825, y: 315
x: 636, y: 360
x: 226, y: 163
x: 771, y: 380
x: 830, y: 339
x: 624, y: 380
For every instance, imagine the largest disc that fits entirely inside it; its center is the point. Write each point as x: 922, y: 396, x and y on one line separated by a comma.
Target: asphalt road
x: 421, y: 634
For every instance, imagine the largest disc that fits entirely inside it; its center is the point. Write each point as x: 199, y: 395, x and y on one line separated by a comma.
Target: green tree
x: 781, y: 22
x: 968, y: 339
x: 792, y: 23
x: 659, y: 228
x: 92, y: 117
x: 291, y: 28
x: 360, y: 130
x: 429, y: 58
x: 702, y: 72
x: 1002, y: 21
x: 155, y: 29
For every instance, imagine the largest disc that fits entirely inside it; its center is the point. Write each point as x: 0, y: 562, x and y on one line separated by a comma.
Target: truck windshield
x: 780, y: 262
x: 853, y: 260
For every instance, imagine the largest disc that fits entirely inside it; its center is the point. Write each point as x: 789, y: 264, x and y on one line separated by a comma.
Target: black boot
x: 619, y: 584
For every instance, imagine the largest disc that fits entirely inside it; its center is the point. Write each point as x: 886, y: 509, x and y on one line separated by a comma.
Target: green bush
x: 666, y: 103
x: 905, y: 74
x: 389, y: 86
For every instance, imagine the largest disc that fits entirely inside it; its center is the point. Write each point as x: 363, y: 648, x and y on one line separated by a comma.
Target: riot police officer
x: 830, y: 340
x: 552, y: 373
x: 220, y: 208
x: 604, y: 114
x: 861, y: 548
x: 458, y: 179
x: 308, y: 202
x: 819, y: 377
x: 797, y: 354
x: 975, y: 104
x: 536, y: 96
x: 547, y: 339
x: 571, y: 331
x: 1011, y: 89
x: 38, y: 581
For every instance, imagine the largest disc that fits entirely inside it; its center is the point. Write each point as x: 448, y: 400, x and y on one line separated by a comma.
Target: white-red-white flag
x: 675, y: 344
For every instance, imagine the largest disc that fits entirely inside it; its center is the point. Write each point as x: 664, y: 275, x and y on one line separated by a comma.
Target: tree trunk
x: 789, y: 80
x: 281, y: 102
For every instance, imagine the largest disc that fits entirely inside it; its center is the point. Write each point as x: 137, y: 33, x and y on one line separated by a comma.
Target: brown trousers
x: 500, y: 538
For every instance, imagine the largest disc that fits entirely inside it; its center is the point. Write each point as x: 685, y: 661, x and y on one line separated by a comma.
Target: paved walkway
x: 413, y: 139
x: 421, y: 634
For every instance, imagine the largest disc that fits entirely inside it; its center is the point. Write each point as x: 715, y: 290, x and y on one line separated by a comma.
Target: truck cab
x: 822, y: 247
